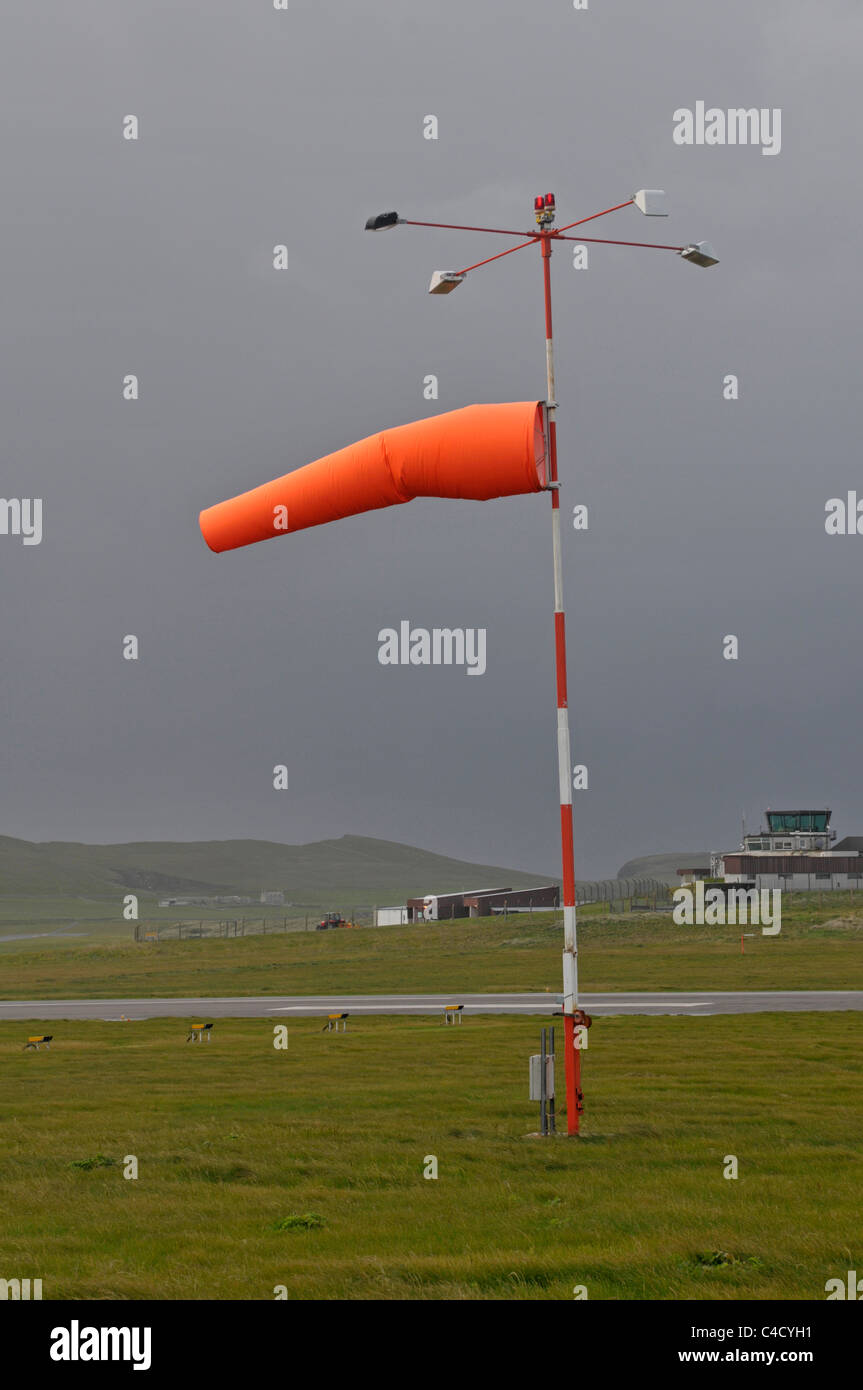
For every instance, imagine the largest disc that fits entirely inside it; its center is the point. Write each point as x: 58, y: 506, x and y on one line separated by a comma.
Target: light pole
x: 650, y: 202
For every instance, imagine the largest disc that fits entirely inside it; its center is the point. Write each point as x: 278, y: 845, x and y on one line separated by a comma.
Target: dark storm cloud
x: 706, y: 517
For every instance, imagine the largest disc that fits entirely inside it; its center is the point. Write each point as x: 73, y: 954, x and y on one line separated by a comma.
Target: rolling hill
x: 665, y: 866
x: 353, y: 867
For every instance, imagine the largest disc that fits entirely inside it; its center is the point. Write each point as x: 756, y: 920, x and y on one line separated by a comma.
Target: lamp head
x: 381, y: 221
x: 651, y: 201
x: 699, y: 253
x: 444, y: 282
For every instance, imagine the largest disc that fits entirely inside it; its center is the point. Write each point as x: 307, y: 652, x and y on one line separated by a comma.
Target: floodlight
x: 651, y: 201
x: 699, y: 253
x: 444, y: 282
x: 382, y: 221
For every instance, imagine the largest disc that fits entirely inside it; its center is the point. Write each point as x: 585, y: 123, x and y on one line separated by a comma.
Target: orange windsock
x: 479, y: 452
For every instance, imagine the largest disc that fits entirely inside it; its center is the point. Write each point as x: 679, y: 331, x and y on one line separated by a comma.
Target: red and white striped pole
x: 699, y: 253
x: 572, y: 1056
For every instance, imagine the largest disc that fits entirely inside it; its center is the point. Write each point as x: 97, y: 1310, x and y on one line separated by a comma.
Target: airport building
x: 796, y: 851
x: 478, y: 902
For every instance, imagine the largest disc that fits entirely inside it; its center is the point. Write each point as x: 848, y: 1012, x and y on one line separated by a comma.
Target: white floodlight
x: 699, y: 253
x: 651, y: 201
x: 444, y: 282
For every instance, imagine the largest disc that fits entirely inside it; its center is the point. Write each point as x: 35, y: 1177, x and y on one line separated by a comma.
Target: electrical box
x: 536, y: 1077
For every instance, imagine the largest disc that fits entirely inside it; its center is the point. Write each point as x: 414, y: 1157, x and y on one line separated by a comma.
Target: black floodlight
x: 382, y: 221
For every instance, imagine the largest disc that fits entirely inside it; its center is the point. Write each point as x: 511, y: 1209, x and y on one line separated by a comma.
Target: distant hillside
x: 664, y: 866
x: 353, y: 870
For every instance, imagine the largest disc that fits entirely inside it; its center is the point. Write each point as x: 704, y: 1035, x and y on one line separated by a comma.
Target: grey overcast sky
x: 707, y: 516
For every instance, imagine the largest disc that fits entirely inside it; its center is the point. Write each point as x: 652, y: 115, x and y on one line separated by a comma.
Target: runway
x: 692, y: 1003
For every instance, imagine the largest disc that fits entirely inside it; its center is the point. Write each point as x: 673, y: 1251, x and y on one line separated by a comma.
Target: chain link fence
x: 195, y: 928
x: 620, y: 894
x: 626, y: 894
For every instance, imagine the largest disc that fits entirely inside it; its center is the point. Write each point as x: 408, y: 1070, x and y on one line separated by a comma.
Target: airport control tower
x: 788, y: 832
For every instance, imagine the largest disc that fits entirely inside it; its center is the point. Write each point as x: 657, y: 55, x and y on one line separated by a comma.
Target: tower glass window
x: 811, y: 821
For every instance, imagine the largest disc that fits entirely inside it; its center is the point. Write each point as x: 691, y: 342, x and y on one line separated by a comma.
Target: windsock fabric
x: 480, y: 452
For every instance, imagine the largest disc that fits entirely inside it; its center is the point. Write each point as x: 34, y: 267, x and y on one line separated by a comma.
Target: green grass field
x: 235, y: 1139
x: 60, y: 922
x: 819, y: 947
x: 304, y: 1168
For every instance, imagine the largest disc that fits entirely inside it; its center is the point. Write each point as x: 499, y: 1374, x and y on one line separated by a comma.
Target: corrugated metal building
x: 440, y: 907
x: 803, y: 872
x: 481, y: 902
x: 521, y: 900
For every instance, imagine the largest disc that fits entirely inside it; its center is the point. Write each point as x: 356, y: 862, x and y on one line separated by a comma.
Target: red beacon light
x: 543, y: 206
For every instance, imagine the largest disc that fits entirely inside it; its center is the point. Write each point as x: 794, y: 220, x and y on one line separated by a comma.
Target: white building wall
x: 391, y: 916
x: 799, y: 883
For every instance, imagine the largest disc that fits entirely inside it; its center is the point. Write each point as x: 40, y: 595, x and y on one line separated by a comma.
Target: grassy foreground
x: 820, y: 946
x: 235, y: 1139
